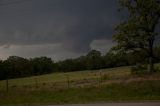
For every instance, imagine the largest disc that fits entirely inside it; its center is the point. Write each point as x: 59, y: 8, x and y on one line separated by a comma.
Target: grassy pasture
x: 118, y: 92
x: 106, y: 85
x: 59, y: 78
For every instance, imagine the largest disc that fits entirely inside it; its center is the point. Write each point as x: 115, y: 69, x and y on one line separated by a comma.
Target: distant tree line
x: 15, y: 67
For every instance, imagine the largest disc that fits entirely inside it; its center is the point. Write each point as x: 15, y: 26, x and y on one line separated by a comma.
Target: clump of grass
x: 44, y: 84
x: 13, y: 86
x: 106, y: 77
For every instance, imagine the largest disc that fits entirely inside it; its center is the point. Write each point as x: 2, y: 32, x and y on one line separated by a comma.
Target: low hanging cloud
x: 102, y: 45
x: 55, y: 51
x: 35, y: 28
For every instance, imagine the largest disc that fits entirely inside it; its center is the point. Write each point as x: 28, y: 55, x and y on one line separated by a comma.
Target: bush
x: 139, y: 69
x: 157, y: 69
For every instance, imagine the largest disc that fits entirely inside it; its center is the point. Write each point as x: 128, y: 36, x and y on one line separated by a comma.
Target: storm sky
x: 58, y: 29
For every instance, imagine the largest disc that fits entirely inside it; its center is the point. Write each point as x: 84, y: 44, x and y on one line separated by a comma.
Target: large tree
x: 139, y: 31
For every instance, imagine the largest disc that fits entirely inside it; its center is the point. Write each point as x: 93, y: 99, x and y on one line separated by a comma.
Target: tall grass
x: 134, y: 91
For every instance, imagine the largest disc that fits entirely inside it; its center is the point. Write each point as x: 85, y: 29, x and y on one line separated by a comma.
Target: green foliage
x: 15, y: 67
x: 139, y: 69
x: 157, y: 53
x: 94, y: 60
x: 41, y: 65
x: 115, y: 59
x: 138, y: 32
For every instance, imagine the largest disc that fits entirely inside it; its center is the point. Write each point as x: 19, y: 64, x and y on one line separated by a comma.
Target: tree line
x: 16, y: 67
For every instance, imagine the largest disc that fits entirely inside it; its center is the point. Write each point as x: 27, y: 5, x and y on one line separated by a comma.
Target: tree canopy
x: 139, y: 31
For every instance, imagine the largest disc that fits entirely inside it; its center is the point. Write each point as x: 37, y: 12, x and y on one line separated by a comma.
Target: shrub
x: 139, y: 69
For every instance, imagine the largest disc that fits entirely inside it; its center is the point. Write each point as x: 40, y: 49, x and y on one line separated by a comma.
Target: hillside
x: 72, y: 76
x: 115, y: 84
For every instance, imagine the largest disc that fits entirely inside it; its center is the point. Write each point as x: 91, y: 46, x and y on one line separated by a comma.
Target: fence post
x: 7, y: 87
x: 36, y: 82
x: 100, y: 79
x: 68, y: 81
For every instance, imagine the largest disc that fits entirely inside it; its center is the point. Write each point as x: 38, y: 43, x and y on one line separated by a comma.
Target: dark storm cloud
x: 74, y: 24
x: 48, y: 21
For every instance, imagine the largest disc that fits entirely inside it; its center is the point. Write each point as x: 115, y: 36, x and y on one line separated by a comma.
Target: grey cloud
x: 73, y: 23
x: 55, y: 51
x: 102, y: 45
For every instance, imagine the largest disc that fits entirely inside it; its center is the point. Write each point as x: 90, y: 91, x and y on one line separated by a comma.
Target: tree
x: 115, y: 59
x: 16, y: 66
x: 2, y: 71
x: 41, y: 65
x: 139, y: 31
x: 157, y: 54
x: 94, y: 60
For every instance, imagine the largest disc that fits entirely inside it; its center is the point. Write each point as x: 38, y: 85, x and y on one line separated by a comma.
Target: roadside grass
x: 106, y: 85
x: 120, y: 92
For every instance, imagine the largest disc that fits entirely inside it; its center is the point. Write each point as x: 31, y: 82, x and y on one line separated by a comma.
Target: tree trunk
x: 151, y: 57
x: 151, y: 65
x: 7, y: 85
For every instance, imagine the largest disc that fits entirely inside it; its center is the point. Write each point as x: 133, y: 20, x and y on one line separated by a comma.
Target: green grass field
x: 115, y: 84
x: 61, y: 78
